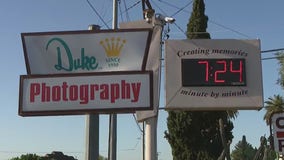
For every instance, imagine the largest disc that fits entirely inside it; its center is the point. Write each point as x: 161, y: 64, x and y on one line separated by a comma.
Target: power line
x: 135, y: 4
x: 138, y: 126
x: 119, y: 5
x: 174, y: 6
x: 178, y: 27
x: 269, y: 58
x: 131, y: 6
x: 181, y: 9
x: 126, y: 11
x: 213, y: 22
x: 163, y: 12
x: 272, y: 50
x: 230, y: 29
x: 94, y: 9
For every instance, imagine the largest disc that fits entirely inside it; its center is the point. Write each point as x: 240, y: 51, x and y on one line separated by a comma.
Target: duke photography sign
x: 86, y: 51
x: 82, y: 93
x: 213, y: 74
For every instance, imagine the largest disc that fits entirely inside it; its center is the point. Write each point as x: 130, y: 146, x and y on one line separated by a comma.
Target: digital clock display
x: 213, y: 72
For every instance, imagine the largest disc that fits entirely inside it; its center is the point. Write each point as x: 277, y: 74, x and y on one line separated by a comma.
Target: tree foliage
x: 280, y: 58
x: 243, y: 150
x: 195, y: 135
x: 272, y: 105
x: 102, y: 158
x: 276, y: 102
x: 196, y: 28
x: 48, y: 157
x: 28, y: 157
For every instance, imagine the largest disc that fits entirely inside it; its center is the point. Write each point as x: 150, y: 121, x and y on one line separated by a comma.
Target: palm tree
x: 280, y: 58
x: 232, y: 114
x: 272, y: 105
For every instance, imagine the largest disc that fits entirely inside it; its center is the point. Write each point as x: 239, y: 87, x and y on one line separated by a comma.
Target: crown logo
x: 113, y: 46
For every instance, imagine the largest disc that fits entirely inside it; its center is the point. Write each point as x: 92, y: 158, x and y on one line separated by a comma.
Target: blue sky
x: 227, y: 20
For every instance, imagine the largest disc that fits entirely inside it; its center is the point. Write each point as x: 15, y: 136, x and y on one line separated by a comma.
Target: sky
x: 241, y: 19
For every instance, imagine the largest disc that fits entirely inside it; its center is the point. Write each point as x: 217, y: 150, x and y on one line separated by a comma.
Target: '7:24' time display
x: 213, y: 72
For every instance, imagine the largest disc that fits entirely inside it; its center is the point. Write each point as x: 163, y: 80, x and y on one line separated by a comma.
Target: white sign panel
x: 213, y: 74
x: 86, y: 51
x: 85, y: 93
x: 277, y: 122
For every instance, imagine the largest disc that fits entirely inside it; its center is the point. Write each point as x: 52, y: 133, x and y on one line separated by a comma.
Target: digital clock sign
x: 213, y: 72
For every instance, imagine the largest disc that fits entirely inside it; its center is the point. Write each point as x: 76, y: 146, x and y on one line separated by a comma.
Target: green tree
x: 102, y: 158
x: 196, y: 28
x: 195, y: 135
x: 28, y: 157
x: 280, y: 58
x: 276, y: 103
x: 243, y: 150
x: 265, y: 152
x: 272, y: 105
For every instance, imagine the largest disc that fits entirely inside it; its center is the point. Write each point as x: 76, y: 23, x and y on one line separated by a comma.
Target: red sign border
x: 21, y: 112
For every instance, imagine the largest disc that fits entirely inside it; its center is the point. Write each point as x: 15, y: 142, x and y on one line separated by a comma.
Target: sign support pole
x: 151, y: 139
x: 152, y: 123
x: 113, y: 117
x: 92, y: 137
x: 92, y: 128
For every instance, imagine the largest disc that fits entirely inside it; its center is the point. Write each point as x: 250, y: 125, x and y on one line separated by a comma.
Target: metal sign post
x: 113, y: 117
x: 92, y: 127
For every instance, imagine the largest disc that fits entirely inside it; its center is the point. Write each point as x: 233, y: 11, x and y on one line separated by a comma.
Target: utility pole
x: 92, y: 127
x: 113, y: 117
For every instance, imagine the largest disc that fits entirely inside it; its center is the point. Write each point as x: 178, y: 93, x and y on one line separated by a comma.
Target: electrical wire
x: 213, y: 22
x: 138, y: 126
x: 126, y: 11
x: 269, y: 58
x: 134, y: 147
x: 96, y: 12
x: 163, y: 12
x: 181, y: 9
x: 135, y: 4
x: 230, y: 29
x: 119, y: 6
x: 178, y: 27
x: 174, y: 6
x: 169, y: 4
x: 272, y: 50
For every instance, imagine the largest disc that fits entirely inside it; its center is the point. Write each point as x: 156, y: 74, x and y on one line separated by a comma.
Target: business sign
x: 85, y: 93
x: 86, y: 51
x: 277, y: 123
x: 213, y: 74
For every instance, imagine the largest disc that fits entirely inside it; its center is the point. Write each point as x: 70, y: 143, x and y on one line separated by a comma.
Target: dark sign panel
x: 213, y: 72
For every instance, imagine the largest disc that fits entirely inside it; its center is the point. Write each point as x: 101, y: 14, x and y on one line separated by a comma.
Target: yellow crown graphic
x: 113, y: 46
